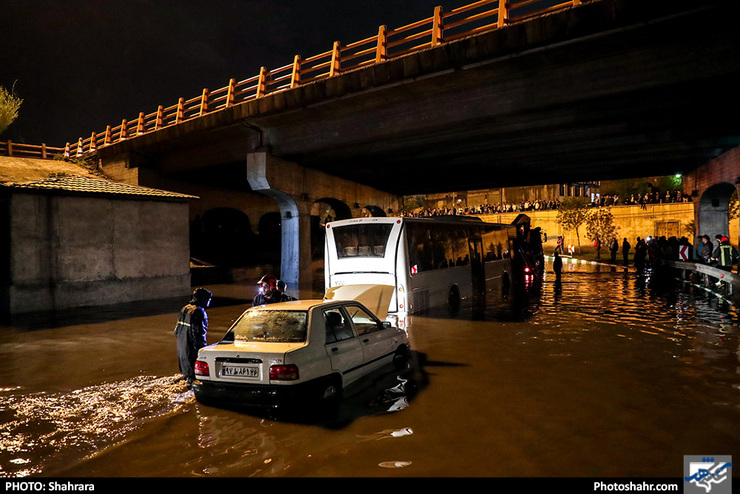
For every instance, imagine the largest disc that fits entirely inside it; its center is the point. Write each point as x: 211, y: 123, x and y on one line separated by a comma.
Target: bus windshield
x: 362, y: 239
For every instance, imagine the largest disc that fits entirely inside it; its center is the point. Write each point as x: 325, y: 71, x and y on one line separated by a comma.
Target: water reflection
x: 42, y: 432
x: 642, y: 361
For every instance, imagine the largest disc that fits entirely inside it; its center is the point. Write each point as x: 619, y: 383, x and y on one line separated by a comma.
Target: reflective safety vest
x: 726, y: 255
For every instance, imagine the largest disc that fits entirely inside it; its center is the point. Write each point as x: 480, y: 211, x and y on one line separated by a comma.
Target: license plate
x: 239, y: 371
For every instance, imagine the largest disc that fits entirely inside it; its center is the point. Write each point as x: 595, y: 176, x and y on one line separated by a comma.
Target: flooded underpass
x: 601, y: 376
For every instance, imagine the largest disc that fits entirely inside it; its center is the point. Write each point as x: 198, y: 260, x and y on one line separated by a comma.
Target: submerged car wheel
x: 330, y: 390
x: 401, y: 358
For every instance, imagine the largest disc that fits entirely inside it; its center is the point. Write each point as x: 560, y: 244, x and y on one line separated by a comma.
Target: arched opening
x: 374, y: 211
x: 325, y: 210
x: 712, y: 216
x: 269, y: 240
x: 223, y: 237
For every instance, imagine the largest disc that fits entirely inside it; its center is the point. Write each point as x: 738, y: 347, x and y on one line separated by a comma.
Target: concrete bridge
x: 596, y: 90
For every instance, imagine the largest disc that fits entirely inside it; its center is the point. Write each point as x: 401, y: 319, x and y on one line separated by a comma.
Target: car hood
x: 376, y: 298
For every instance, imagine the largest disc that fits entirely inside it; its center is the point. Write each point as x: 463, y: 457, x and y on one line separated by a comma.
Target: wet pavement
x: 602, y: 375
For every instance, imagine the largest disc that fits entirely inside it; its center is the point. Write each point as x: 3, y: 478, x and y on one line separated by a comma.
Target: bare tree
x: 572, y: 213
x: 600, y: 224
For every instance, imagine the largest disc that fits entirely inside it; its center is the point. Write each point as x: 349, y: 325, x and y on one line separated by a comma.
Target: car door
x: 376, y: 341
x: 342, y: 345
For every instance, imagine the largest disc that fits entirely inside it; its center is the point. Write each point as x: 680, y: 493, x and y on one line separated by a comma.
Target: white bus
x: 432, y: 262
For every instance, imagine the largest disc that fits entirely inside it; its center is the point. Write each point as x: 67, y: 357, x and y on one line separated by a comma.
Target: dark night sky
x: 80, y: 65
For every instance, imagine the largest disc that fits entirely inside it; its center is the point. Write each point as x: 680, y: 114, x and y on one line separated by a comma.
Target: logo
x: 703, y: 474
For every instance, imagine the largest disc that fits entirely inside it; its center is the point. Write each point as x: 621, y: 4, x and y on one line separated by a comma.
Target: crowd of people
x: 650, y: 251
x: 605, y: 200
x: 506, y: 207
x: 642, y: 200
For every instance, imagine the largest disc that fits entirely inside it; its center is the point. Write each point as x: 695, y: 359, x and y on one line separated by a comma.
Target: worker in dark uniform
x: 281, y: 287
x: 190, y: 332
x: 557, y: 266
x: 268, y: 292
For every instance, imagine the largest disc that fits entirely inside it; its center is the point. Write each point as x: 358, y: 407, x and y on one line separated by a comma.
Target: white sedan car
x: 304, y: 349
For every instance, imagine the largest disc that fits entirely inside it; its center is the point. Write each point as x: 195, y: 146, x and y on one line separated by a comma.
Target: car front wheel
x: 401, y: 358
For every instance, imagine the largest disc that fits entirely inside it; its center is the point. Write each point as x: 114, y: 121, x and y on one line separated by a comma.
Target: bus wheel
x: 453, y: 299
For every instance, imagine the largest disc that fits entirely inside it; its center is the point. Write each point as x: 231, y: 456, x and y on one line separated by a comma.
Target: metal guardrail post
x: 336, y: 59
x: 231, y: 93
x: 159, y: 119
x: 381, y: 52
x: 295, y: 77
x: 503, y: 13
x: 203, y: 102
x: 437, y: 28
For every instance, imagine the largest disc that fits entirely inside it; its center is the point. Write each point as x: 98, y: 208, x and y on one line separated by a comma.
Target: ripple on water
x: 42, y: 431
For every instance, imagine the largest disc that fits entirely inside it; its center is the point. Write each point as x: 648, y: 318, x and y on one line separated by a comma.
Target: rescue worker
x: 725, y: 255
x: 281, y: 287
x: 268, y: 292
x: 557, y: 266
x: 190, y: 332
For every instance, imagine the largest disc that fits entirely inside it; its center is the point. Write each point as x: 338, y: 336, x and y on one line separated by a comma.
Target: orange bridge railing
x: 442, y: 27
x: 10, y: 148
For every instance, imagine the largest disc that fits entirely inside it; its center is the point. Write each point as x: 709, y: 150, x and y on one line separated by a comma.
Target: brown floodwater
x: 600, y: 376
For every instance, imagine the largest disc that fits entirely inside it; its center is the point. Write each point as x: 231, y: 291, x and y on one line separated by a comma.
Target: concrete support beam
x: 263, y: 173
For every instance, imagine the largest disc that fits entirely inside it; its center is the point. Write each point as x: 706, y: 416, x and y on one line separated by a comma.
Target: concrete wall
x: 304, y: 184
x: 70, y: 251
x: 672, y: 219
x: 714, y: 183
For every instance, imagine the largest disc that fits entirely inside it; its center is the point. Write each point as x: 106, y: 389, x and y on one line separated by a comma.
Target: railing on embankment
x: 721, y: 283
x: 441, y: 27
x: 10, y: 148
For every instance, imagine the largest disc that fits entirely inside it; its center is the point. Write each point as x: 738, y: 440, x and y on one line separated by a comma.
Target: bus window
x: 362, y: 239
x: 436, y: 248
x: 496, y: 244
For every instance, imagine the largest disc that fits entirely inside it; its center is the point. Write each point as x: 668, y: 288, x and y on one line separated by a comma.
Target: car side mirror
x: 385, y: 324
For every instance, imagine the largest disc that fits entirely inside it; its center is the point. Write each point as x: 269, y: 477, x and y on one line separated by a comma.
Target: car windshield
x: 285, y: 326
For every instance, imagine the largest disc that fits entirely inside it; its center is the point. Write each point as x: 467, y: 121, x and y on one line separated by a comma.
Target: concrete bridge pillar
x: 266, y: 174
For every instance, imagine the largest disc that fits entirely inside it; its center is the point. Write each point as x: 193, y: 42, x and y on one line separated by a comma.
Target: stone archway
x: 270, y: 238
x: 374, y: 211
x: 712, y: 212
x: 224, y: 237
x: 323, y: 211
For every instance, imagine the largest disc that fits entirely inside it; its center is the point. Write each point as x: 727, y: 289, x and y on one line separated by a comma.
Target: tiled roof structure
x: 96, y: 186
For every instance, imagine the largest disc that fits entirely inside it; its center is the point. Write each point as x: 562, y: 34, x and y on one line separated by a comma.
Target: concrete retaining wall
x: 69, y: 251
x: 673, y: 219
